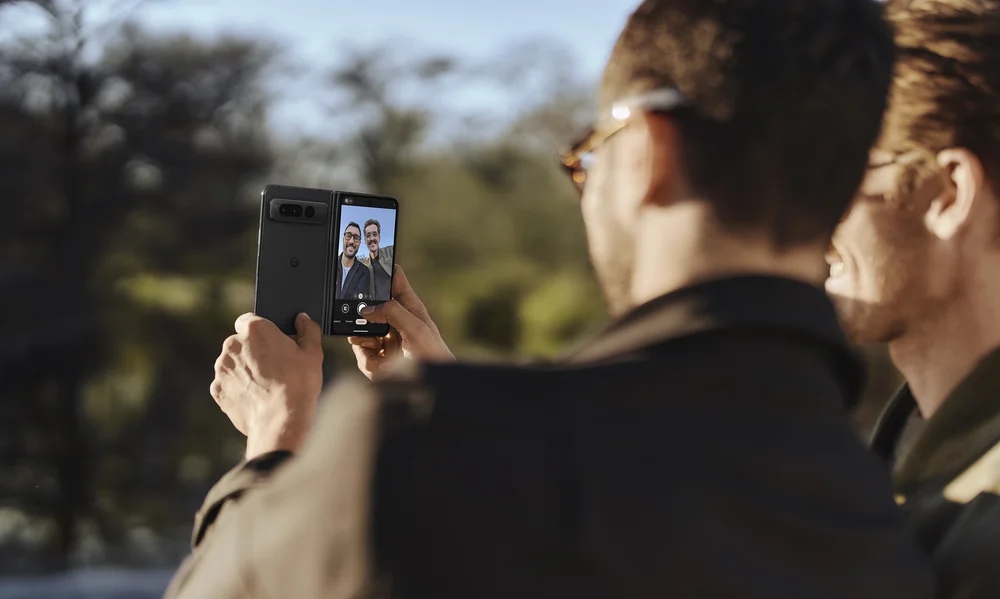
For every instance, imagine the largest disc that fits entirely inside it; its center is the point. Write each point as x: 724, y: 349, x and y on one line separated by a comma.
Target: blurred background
x: 135, y: 138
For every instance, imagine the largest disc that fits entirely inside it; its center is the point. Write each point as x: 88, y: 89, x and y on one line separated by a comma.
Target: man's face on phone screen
x: 372, y: 238
x: 352, y: 240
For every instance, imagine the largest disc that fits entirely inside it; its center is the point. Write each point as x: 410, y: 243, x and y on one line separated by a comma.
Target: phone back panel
x: 292, y: 260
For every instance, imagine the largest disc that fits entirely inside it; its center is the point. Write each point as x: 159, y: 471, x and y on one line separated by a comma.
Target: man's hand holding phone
x: 412, y: 333
x: 269, y: 383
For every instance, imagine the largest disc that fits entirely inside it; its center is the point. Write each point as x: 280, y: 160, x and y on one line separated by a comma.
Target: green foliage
x: 134, y: 182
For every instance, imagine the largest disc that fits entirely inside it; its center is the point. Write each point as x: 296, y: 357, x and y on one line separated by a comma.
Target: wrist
x: 284, y: 434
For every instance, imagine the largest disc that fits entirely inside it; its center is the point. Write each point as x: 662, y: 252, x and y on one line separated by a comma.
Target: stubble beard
x: 614, y: 271
x: 866, y: 323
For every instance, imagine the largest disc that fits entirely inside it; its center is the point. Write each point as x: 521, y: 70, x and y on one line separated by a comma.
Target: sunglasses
x: 578, y: 158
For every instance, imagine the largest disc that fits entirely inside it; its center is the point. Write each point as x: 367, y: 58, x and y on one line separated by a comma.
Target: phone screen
x: 364, y: 262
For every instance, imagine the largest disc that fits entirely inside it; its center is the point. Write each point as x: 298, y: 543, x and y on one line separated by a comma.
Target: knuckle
x: 256, y: 326
x: 216, y: 390
x: 231, y: 345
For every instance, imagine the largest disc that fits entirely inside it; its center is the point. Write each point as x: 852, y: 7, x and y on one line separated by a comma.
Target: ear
x: 952, y: 209
x: 662, y: 152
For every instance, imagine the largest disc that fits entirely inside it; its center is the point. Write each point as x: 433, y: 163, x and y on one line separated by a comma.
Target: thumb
x: 309, y: 335
x: 398, y: 317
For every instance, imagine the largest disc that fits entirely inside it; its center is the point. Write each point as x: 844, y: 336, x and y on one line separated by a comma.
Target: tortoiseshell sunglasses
x: 577, y: 159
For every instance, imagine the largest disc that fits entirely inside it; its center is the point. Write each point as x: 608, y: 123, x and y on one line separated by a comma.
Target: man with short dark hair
x: 916, y: 264
x: 378, y: 261
x: 353, y: 280
x: 698, y: 447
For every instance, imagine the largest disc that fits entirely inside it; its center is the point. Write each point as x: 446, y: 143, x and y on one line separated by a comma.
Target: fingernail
x: 368, y: 309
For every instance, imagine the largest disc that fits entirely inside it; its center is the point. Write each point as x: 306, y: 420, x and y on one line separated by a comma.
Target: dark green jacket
x: 949, y: 481
x: 385, y: 259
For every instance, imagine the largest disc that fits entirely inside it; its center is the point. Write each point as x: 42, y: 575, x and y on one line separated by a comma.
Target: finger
x: 369, y: 361
x: 216, y: 390
x: 396, y: 316
x: 391, y: 346
x: 249, y: 321
x: 232, y: 345
x: 310, y: 337
x: 366, y: 342
x: 403, y: 293
x: 224, y: 363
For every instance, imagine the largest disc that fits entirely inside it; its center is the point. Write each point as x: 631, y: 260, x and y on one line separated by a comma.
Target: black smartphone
x: 364, y: 261
x: 326, y: 253
x: 293, y: 254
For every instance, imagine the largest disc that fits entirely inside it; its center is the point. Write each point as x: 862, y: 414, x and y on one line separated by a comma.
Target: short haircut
x: 353, y: 224
x: 783, y: 102
x: 372, y: 221
x: 946, y: 92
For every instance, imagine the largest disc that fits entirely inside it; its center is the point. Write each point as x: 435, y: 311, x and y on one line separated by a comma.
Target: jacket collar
x: 965, y: 427
x: 769, y: 305
x: 385, y: 257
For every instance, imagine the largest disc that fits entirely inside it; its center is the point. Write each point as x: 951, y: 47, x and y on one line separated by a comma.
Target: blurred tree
x: 390, y: 129
x: 120, y: 175
x: 130, y: 167
x: 487, y: 220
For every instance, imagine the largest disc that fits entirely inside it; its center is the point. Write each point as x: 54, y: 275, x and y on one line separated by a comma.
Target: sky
x: 312, y: 31
x: 386, y: 219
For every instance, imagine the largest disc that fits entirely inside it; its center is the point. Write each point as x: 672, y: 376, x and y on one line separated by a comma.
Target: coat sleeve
x: 232, y: 487
x: 295, y: 531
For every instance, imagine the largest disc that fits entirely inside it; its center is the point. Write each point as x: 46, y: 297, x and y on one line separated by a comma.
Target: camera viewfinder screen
x: 364, y: 263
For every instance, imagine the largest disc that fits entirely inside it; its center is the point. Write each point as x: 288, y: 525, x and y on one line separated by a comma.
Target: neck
x: 348, y: 262
x: 699, y: 251
x: 374, y: 254
x: 945, y: 345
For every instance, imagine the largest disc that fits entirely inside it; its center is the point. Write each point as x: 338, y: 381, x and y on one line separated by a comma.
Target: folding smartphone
x: 326, y: 253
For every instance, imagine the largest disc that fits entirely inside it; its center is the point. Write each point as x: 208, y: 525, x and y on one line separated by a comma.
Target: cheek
x: 634, y: 178
x: 901, y: 256
x: 592, y: 206
x: 879, y: 246
x: 598, y: 195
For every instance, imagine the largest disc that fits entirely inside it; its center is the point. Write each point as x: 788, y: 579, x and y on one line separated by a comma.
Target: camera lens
x: 283, y: 210
x: 296, y: 211
x: 310, y: 212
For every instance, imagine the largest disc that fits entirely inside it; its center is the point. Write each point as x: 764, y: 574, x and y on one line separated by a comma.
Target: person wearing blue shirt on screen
x: 353, y: 281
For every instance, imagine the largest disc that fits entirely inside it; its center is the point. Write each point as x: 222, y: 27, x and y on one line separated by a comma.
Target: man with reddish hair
x: 916, y: 264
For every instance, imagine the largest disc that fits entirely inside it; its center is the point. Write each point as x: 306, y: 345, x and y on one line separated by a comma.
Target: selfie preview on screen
x: 364, y: 263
